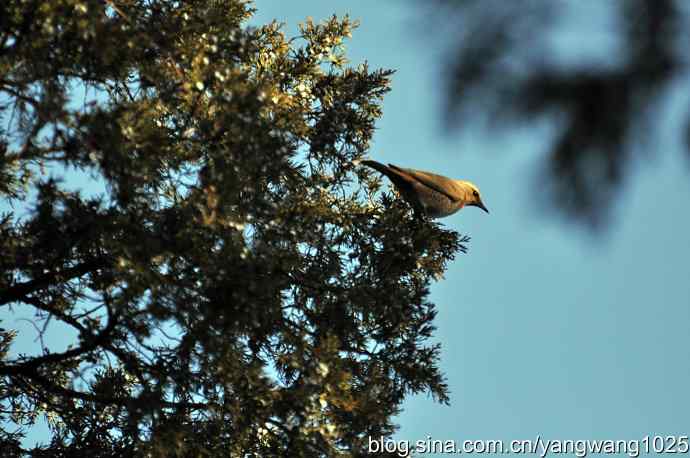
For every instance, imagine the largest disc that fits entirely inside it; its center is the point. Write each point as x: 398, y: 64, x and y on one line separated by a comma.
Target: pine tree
x: 232, y: 283
x: 603, y: 108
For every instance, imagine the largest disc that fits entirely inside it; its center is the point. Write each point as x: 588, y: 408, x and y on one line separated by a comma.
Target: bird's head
x: 472, y: 196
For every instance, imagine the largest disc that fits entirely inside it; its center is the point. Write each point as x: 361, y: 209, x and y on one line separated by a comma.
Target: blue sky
x: 546, y: 328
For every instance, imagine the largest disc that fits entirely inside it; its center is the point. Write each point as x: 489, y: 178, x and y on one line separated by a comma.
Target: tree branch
x: 29, y: 367
x: 19, y: 291
x: 69, y: 319
x: 52, y: 388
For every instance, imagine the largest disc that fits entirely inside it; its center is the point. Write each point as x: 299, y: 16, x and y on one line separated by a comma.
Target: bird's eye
x: 475, y: 193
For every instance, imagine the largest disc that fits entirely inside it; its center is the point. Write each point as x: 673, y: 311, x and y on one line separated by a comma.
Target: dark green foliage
x: 235, y: 287
x: 604, y: 110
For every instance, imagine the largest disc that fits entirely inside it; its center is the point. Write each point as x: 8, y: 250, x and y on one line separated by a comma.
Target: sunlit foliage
x: 229, y: 282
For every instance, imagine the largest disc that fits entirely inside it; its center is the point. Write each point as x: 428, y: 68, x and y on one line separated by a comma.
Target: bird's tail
x: 403, y: 182
x: 399, y: 178
x: 373, y: 164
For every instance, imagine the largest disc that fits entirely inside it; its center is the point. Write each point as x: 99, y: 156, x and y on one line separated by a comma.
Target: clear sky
x: 546, y: 329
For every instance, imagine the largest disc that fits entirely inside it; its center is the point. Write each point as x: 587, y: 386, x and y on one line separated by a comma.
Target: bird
x: 429, y: 194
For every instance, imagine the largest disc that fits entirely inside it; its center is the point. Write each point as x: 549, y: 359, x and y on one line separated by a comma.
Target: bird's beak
x: 481, y: 205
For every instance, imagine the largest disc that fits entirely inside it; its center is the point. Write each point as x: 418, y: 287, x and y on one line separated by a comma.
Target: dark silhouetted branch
x: 19, y: 291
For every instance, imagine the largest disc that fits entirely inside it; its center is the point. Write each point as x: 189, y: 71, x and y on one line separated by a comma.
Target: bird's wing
x: 439, y: 183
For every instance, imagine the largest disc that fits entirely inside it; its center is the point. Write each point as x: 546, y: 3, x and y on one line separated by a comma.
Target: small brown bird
x: 433, y: 195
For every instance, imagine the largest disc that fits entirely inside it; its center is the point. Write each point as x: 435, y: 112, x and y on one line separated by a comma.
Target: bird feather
x: 439, y: 183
